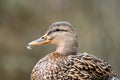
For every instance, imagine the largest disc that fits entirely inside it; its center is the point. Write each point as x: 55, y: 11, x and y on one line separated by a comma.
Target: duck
x: 65, y: 63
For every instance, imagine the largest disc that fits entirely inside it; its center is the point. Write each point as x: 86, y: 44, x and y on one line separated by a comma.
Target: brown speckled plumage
x: 65, y: 63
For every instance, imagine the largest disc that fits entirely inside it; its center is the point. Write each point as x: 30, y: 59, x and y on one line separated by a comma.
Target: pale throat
x: 67, y: 47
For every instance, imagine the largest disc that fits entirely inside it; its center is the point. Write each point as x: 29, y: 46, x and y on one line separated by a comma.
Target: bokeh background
x: 97, y: 23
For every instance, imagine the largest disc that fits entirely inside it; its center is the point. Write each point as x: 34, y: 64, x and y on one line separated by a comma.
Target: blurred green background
x: 97, y: 23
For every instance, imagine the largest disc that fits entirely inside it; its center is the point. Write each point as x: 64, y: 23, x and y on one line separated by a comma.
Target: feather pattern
x: 73, y: 67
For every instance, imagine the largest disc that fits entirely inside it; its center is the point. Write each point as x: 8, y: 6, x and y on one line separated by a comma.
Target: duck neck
x: 67, y: 47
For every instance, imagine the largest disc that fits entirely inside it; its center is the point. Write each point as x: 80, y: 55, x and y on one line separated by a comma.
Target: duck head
x: 60, y: 34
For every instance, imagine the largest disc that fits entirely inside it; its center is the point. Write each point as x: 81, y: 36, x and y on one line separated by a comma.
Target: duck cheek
x: 56, y: 41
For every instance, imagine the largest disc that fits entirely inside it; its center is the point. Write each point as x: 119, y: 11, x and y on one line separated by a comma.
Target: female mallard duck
x: 65, y: 63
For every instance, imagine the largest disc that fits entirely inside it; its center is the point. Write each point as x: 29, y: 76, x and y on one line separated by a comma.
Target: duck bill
x: 43, y: 40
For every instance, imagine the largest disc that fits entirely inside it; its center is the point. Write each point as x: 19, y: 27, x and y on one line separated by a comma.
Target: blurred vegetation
x: 97, y: 23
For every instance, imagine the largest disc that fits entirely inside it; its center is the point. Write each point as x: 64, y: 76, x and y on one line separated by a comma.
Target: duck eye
x: 42, y: 37
x: 57, y: 29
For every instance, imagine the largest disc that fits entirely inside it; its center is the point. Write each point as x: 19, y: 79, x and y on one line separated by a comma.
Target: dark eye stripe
x: 57, y: 30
